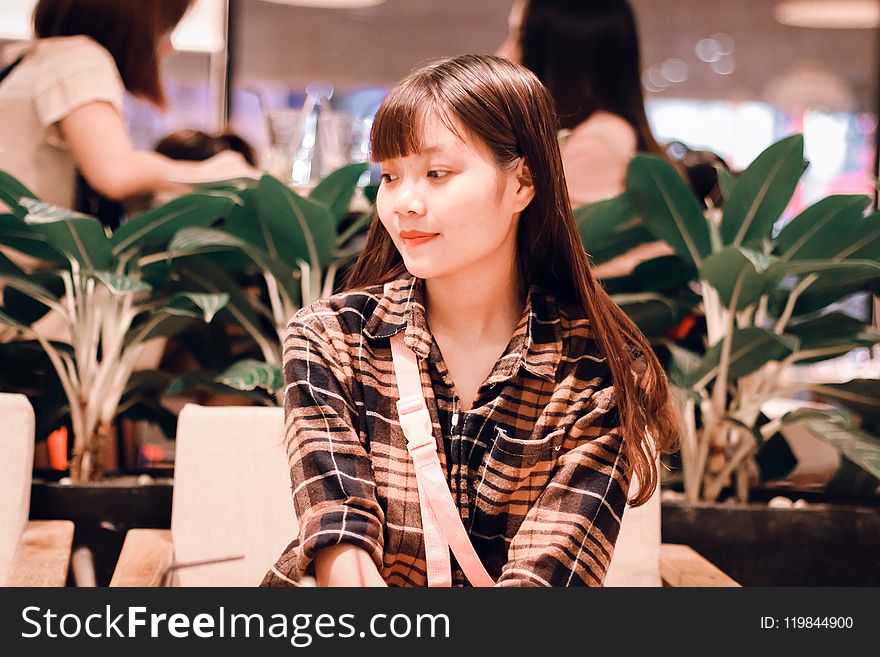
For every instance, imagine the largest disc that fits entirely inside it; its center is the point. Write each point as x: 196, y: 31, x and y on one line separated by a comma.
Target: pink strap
x: 441, y: 521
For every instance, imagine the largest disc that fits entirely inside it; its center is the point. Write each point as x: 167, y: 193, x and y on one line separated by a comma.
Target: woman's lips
x: 417, y: 240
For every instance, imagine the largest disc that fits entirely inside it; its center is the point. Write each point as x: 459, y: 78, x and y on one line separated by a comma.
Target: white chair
x: 37, y: 552
x: 232, y: 497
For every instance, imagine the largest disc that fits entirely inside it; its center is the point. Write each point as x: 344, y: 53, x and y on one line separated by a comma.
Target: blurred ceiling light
x: 829, y: 13
x: 329, y: 4
x: 203, y: 29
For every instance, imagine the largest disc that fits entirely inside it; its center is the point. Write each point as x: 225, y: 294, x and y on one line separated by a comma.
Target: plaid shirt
x: 536, y: 467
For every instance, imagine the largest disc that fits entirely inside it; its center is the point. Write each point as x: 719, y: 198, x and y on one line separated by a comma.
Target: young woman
x: 544, y: 399
x: 62, y: 102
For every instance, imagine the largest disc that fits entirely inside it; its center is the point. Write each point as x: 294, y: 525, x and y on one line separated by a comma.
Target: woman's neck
x: 476, y: 307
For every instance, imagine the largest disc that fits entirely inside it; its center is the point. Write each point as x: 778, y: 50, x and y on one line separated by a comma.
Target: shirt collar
x: 536, y: 344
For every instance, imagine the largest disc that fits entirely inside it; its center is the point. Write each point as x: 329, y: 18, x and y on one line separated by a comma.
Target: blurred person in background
x: 586, y: 52
x: 61, y: 97
x: 198, y: 146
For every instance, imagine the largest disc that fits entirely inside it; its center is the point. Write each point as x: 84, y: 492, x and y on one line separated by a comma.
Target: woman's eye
x: 387, y: 177
x: 437, y: 174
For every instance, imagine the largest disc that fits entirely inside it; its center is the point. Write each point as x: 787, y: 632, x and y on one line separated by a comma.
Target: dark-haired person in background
x: 586, y: 52
x: 197, y: 145
x: 61, y: 99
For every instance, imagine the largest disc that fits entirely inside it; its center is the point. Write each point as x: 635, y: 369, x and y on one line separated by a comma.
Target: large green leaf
x: 737, y: 268
x: 762, y: 192
x: 834, y: 333
x: 78, y: 236
x: 822, y: 230
x: 292, y: 228
x: 11, y: 193
x: 157, y: 226
x: 17, y: 235
x: 598, y: 221
x: 858, y: 446
x: 751, y: 349
x: 864, y: 240
x: 860, y: 395
x: 251, y: 374
x: 664, y: 274
x: 192, y: 241
x: 622, y: 241
x: 668, y: 207
x: 835, y: 284
x: 336, y: 190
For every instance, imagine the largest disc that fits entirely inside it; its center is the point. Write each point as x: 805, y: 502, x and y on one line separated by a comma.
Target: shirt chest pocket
x: 515, y: 471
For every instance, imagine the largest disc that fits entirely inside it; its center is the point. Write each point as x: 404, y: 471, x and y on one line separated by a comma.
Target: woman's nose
x: 409, y: 201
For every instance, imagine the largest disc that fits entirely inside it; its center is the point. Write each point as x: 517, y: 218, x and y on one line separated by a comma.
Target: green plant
x: 764, y: 294
x: 110, y: 293
x: 297, y: 245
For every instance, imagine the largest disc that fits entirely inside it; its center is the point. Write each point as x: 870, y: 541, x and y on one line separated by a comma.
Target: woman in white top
x: 586, y: 52
x: 62, y: 101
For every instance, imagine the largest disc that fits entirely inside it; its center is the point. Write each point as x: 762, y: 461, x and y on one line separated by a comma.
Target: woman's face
x: 511, y: 48
x: 449, y: 208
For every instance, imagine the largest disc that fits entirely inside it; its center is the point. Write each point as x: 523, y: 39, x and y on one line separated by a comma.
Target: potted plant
x: 763, y: 294
x: 296, y: 245
x: 111, y: 293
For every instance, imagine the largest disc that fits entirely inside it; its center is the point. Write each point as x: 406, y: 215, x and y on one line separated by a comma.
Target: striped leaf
x: 251, y: 374
x: 77, y: 236
x: 201, y: 305
x: 120, y: 285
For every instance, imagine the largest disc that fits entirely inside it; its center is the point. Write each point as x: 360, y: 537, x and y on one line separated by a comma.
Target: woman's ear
x: 525, y: 190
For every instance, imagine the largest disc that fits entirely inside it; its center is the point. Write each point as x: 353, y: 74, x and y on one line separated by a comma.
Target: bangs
x: 399, y: 125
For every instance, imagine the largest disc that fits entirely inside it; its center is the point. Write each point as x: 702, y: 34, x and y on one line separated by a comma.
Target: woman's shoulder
x: 73, y: 52
x: 605, y: 129
x: 344, y: 313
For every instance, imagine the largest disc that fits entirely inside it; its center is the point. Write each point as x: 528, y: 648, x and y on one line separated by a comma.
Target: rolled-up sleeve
x: 567, y: 537
x: 334, y: 491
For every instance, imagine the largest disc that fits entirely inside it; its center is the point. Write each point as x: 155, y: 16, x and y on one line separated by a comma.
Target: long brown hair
x: 506, y: 106
x: 586, y: 52
x: 129, y: 29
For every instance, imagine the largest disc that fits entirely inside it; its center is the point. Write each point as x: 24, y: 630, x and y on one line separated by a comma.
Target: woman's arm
x: 568, y: 535
x: 341, y: 539
x: 346, y: 565
x: 102, y: 150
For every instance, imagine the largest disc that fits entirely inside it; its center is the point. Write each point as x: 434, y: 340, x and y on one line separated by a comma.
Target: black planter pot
x: 819, y: 545
x: 103, y: 512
